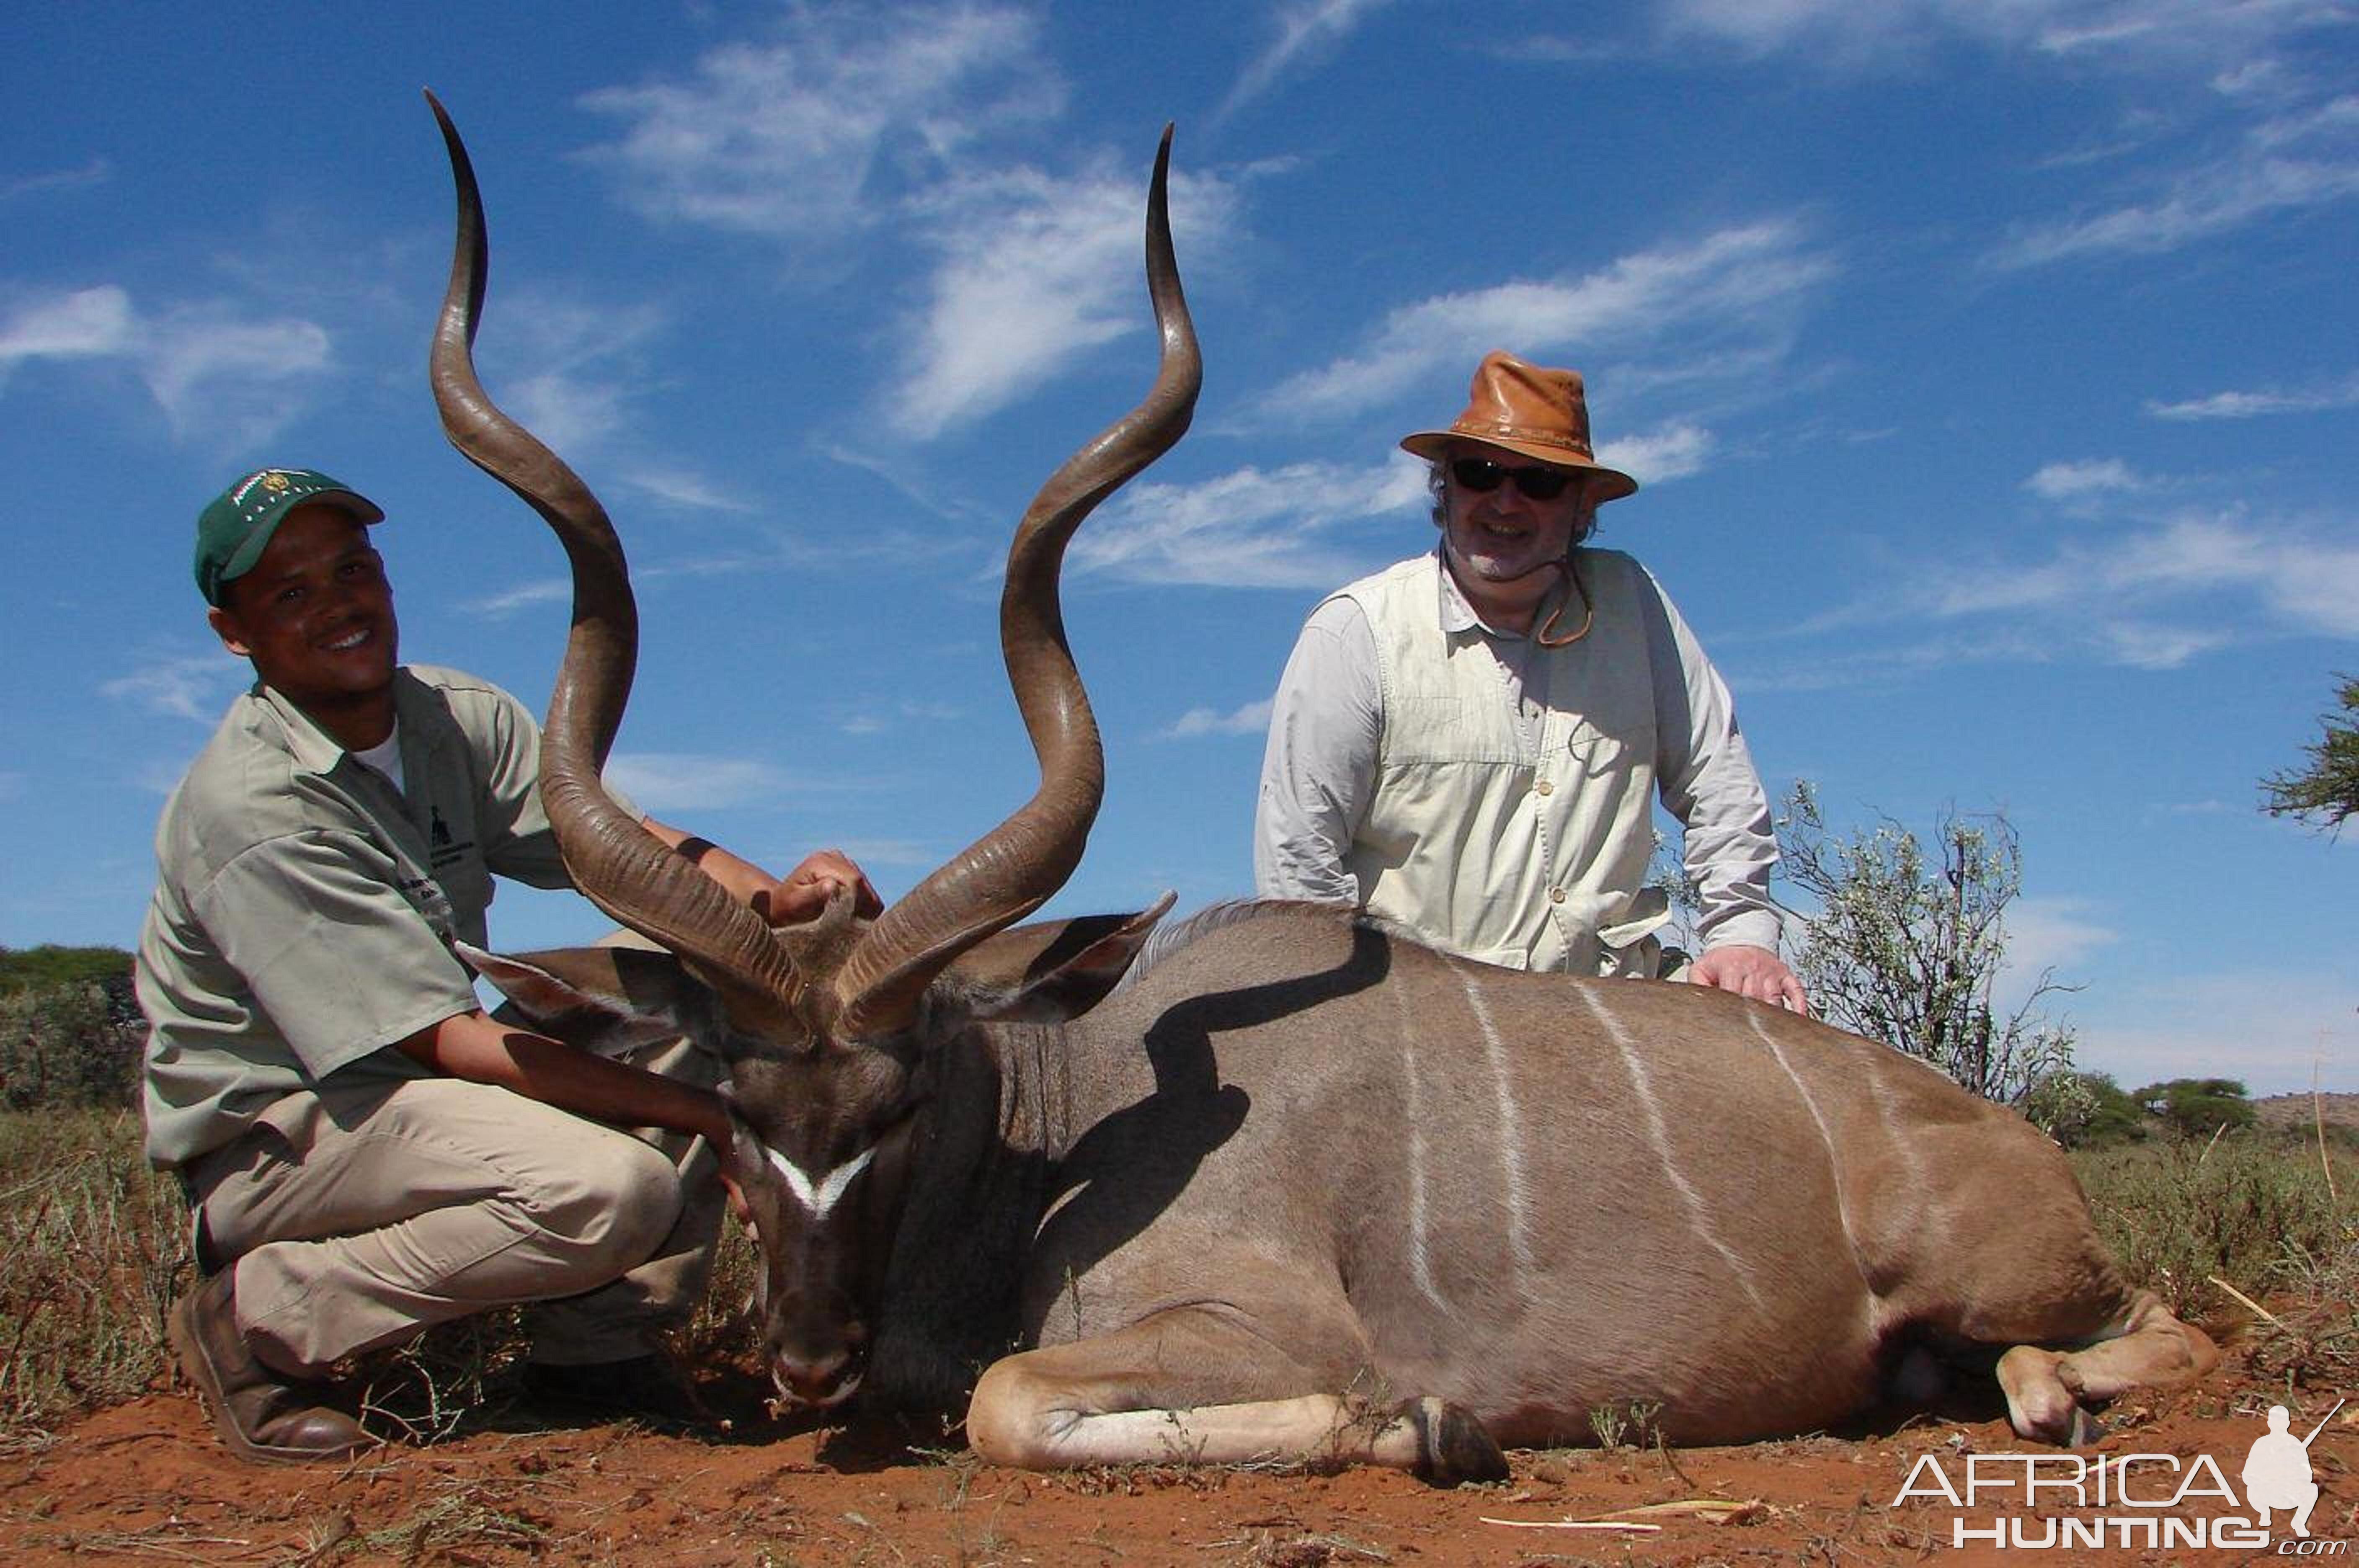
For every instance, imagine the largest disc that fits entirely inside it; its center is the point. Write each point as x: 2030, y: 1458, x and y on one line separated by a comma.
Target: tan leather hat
x: 1530, y: 410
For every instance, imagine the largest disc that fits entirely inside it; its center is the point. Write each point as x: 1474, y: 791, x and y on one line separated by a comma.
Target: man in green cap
x: 367, y: 1152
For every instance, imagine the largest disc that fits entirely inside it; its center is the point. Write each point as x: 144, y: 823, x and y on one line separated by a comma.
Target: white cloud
x: 217, y: 374
x: 1035, y: 271
x: 1306, y: 31
x: 1251, y: 528
x: 184, y: 686
x: 97, y: 172
x: 679, y: 487
x: 238, y: 381
x: 2047, y: 936
x: 2072, y: 481
x: 2152, y: 597
x: 524, y: 596
x: 2201, y: 204
x: 87, y: 324
x: 2254, y: 405
x: 1746, y: 283
x: 792, y: 139
x: 1253, y: 719
x: 1676, y: 450
x: 2188, y: 34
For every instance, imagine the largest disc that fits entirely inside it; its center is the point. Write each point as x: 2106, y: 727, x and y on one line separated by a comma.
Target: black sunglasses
x: 1482, y: 475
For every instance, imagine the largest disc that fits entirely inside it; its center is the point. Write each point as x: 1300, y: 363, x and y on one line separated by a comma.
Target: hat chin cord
x: 1588, y: 611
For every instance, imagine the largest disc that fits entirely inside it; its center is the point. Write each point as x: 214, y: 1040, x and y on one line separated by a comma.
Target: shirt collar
x: 313, y: 749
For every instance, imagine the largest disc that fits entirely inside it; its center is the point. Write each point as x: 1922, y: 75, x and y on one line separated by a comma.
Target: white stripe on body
x: 1827, y: 1137
x: 1420, y: 1266
x: 820, y: 1196
x: 1698, y: 1218
x: 1510, y: 1125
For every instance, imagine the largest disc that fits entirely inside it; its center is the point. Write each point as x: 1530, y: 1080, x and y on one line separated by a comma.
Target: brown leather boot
x: 264, y: 1418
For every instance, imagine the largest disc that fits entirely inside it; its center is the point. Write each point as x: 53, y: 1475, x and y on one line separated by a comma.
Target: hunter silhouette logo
x: 2140, y: 1501
x: 2276, y: 1472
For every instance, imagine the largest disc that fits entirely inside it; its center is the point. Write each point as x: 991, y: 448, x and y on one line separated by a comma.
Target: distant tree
x: 1908, y: 944
x: 29, y: 968
x: 2326, y: 791
x: 2199, y: 1107
x: 2083, y: 1110
x: 70, y: 1030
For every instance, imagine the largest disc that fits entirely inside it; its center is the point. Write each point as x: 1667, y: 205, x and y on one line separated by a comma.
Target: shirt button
x: 1543, y: 787
x: 1556, y: 895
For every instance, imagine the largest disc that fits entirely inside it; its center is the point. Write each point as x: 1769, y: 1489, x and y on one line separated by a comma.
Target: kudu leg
x: 1140, y: 1396
x: 2146, y: 1348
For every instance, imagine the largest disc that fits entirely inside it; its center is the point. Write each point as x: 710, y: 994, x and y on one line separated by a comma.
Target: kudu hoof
x: 1451, y: 1446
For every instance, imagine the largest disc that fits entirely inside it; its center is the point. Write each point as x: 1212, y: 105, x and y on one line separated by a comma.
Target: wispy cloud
x: 2154, y: 596
x: 2187, y: 33
x: 2092, y: 476
x: 1035, y: 270
x: 216, y: 373
x: 1740, y: 285
x: 1676, y: 450
x: 524, y: 596
x: 688, y: 491
x: 183, y: 686
x: 2254, y: 405
x: 1307, y: 31
x: 2199, y: 204
x: 1253, y: 719
x: 1251, y: 527
x: 97, y: 172
x: 89, y: 323
x: 794, y: 139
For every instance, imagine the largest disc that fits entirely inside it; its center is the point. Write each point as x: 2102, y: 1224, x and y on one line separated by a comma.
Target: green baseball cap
x: 235, y: 528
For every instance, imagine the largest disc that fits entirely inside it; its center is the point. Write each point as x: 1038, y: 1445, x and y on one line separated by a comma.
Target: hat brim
x: 1434, y: 446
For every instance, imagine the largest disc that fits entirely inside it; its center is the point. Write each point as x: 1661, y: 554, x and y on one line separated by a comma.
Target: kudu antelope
x: 1299, y: 1186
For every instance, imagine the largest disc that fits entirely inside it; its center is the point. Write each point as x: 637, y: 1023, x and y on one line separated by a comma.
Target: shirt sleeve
x: 331, y: 949
x: 1705, y: 775
x: 517, y: 841
x: 1320, y: 767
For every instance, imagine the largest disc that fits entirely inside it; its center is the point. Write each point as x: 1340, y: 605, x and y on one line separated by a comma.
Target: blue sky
x: 1992, y: 371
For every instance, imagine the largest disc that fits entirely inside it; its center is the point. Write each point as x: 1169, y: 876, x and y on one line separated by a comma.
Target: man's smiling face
x: 1501, y: 540
x: 315, y: 615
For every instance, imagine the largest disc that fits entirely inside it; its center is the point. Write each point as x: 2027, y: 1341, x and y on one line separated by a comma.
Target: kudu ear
x: 608, y: 1000
x: 1049, y: 970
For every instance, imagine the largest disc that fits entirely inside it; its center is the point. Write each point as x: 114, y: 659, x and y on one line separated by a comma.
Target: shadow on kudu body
x: 1299, y: 1187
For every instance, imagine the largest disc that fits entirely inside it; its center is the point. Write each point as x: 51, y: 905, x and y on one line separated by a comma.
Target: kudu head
x: 827, y: 1028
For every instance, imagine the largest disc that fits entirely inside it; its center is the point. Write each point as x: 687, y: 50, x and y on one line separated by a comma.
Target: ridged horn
x: 617, y: 863
x: 1019, y: 865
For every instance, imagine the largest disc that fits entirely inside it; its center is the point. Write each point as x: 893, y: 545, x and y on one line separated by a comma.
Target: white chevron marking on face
x: 821, y: 1196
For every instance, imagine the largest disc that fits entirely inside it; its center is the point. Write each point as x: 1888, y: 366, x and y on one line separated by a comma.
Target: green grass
x: 2252, y: 1208
x: 93, y: 1249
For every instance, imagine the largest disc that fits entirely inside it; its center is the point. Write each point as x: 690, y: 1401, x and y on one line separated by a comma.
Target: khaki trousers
x: 355, y: 1219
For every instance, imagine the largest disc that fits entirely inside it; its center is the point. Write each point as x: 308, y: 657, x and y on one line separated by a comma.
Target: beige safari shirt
x: 304, y: 907
x: 1495, y: 795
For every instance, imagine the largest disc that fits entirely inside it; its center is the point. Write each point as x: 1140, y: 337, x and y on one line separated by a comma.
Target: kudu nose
x: 818, y: 1363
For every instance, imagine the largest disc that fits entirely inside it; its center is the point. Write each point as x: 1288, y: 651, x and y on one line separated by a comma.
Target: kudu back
x: 1301, y: 1187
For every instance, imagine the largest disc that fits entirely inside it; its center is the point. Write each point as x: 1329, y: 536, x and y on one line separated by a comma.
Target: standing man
x: 367, y: 1151
x: 1471, y: 742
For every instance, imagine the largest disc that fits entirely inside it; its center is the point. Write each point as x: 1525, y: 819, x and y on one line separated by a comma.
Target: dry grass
x: 94, y: 1248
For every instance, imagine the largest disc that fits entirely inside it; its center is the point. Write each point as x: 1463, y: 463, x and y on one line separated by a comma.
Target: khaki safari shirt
x: 305, y: 907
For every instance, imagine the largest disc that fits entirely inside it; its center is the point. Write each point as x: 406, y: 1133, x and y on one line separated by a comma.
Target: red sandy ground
x: 146, y: 1482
